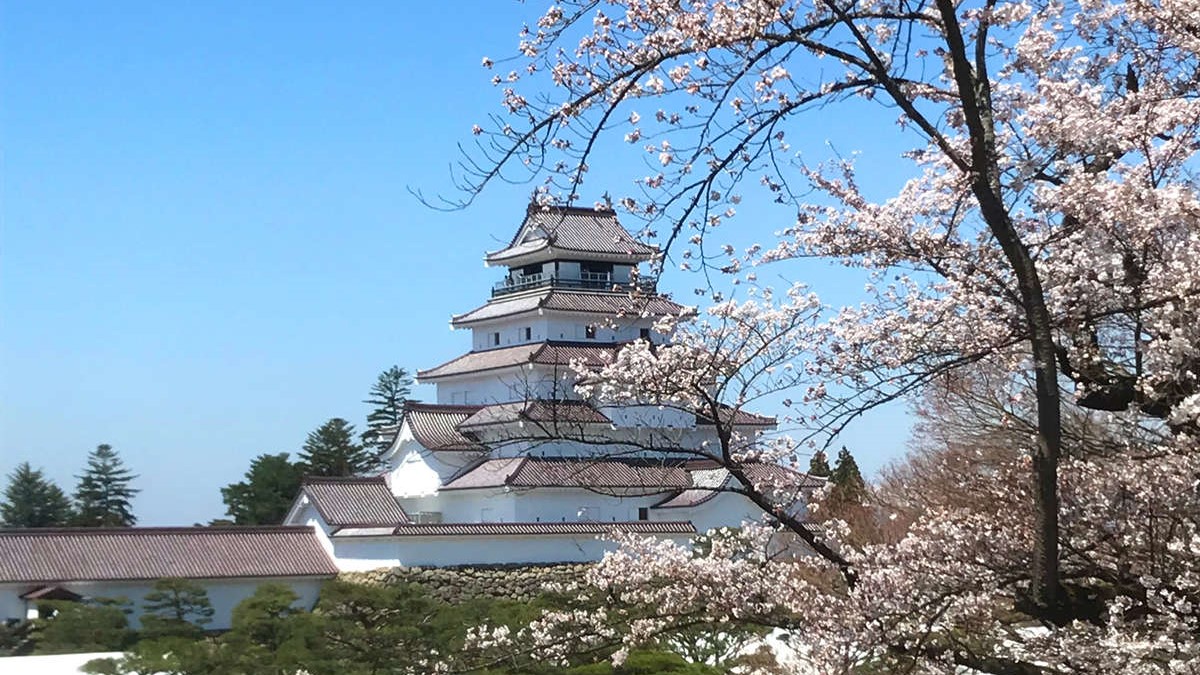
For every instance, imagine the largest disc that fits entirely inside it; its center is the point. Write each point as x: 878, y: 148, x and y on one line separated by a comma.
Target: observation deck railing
x: 591, y: 281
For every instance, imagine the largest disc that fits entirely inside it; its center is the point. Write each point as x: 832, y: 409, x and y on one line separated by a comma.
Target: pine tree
x: 32, y: 500
x: 266, y: 494
x: 102, y: 498
x: 331, y: 451
x: 846, y: 477
x: 176, y: 607
x: 386, y: 399
x: 818, y: 466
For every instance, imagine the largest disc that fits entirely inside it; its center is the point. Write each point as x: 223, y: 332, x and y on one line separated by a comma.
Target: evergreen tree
x: 32, y: 500
x: 331, y: 451
x: 846, y: 477
x: 98, y: 625
x: 386, y: 399
x: 102, y: 498
x: 818, y: 466
x: 176, y: 608
x: 266, y: 494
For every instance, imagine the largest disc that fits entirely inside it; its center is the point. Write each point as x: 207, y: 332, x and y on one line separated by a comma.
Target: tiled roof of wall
x: 529, y: 529
x: 143, y: 553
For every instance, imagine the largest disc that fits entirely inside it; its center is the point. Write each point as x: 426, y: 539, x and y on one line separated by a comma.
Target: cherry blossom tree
x: 1052, y: 217
x: 1050, y: 227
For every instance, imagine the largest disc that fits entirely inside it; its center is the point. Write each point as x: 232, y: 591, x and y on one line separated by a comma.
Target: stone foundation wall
x: 458, y: 584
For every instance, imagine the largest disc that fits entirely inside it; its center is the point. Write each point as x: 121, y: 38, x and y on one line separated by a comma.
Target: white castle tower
x: 509, y: 465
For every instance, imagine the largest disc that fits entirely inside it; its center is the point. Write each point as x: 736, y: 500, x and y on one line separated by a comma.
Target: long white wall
x: 545, y: 505
x: 224, y: 594
x: 366, y: 553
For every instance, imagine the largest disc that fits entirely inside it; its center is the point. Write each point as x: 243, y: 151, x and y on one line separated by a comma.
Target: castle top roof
x: 571, y: 230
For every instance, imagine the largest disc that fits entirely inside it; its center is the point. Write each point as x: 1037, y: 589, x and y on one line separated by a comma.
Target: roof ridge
x: 421, y: 406
x: 520, y: 465
x: 573, y: 208
x: 311, y: 480
x: 144, y: 531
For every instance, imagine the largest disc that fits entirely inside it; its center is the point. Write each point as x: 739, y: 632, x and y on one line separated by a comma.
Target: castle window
x: 590, y: 332
x: 495, y: 339
x: 643, y: 513
x: 528, y: 333
x: 645, y: 334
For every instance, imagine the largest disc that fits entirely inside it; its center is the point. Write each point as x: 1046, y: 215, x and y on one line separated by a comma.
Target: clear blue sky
x: 207, y: 247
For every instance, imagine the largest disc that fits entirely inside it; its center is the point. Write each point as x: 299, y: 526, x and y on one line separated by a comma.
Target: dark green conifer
x: 32, y: 500
x: 103, y: 496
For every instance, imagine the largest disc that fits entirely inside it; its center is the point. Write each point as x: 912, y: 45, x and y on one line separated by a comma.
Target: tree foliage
x: 359, y: 630
x: 331, y: 450
x: 266, y: 492
x: 32, y: 500
x: 819, y: 465
x: 1048, y: 230
x: 175, y: 608
x: 103, y: 496
x: 99, y: 625
x: 387, y: 397
x: 846, y: 476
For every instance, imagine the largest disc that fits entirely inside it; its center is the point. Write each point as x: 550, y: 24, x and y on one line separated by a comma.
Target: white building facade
x: 509, y: 466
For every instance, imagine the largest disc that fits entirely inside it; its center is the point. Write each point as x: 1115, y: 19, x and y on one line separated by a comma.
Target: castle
x: 509, y: 465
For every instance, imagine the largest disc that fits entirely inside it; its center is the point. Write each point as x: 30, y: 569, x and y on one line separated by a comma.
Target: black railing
x: 530, y: 281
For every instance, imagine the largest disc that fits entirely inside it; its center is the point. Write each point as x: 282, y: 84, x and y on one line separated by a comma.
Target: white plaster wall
x: 556, y: 327
x: 224, y: 594
x: 510, y: 384
x: 11, y: 604
x: 724, y: 510
x: 415, y: 471
x: 490, y: 387
x: 366, y: 553
x: 649, y: 416
x: 541, y: 505
x: 511, y: 330
x: 476, y: 506
x: 567, y: 505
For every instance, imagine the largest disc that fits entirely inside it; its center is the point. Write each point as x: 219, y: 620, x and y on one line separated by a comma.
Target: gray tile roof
x: 143, y: 553
x: 573, y: 229
x: 354, y: 501
x: 553, y: 353
x: 538, y: 411
x: 738, y: 417
x: 593, y: 302
x: 531, y: 529
x: 435, y: 426
x: 767, y: 474
x: 687, y: 499
x: 588, y: 473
